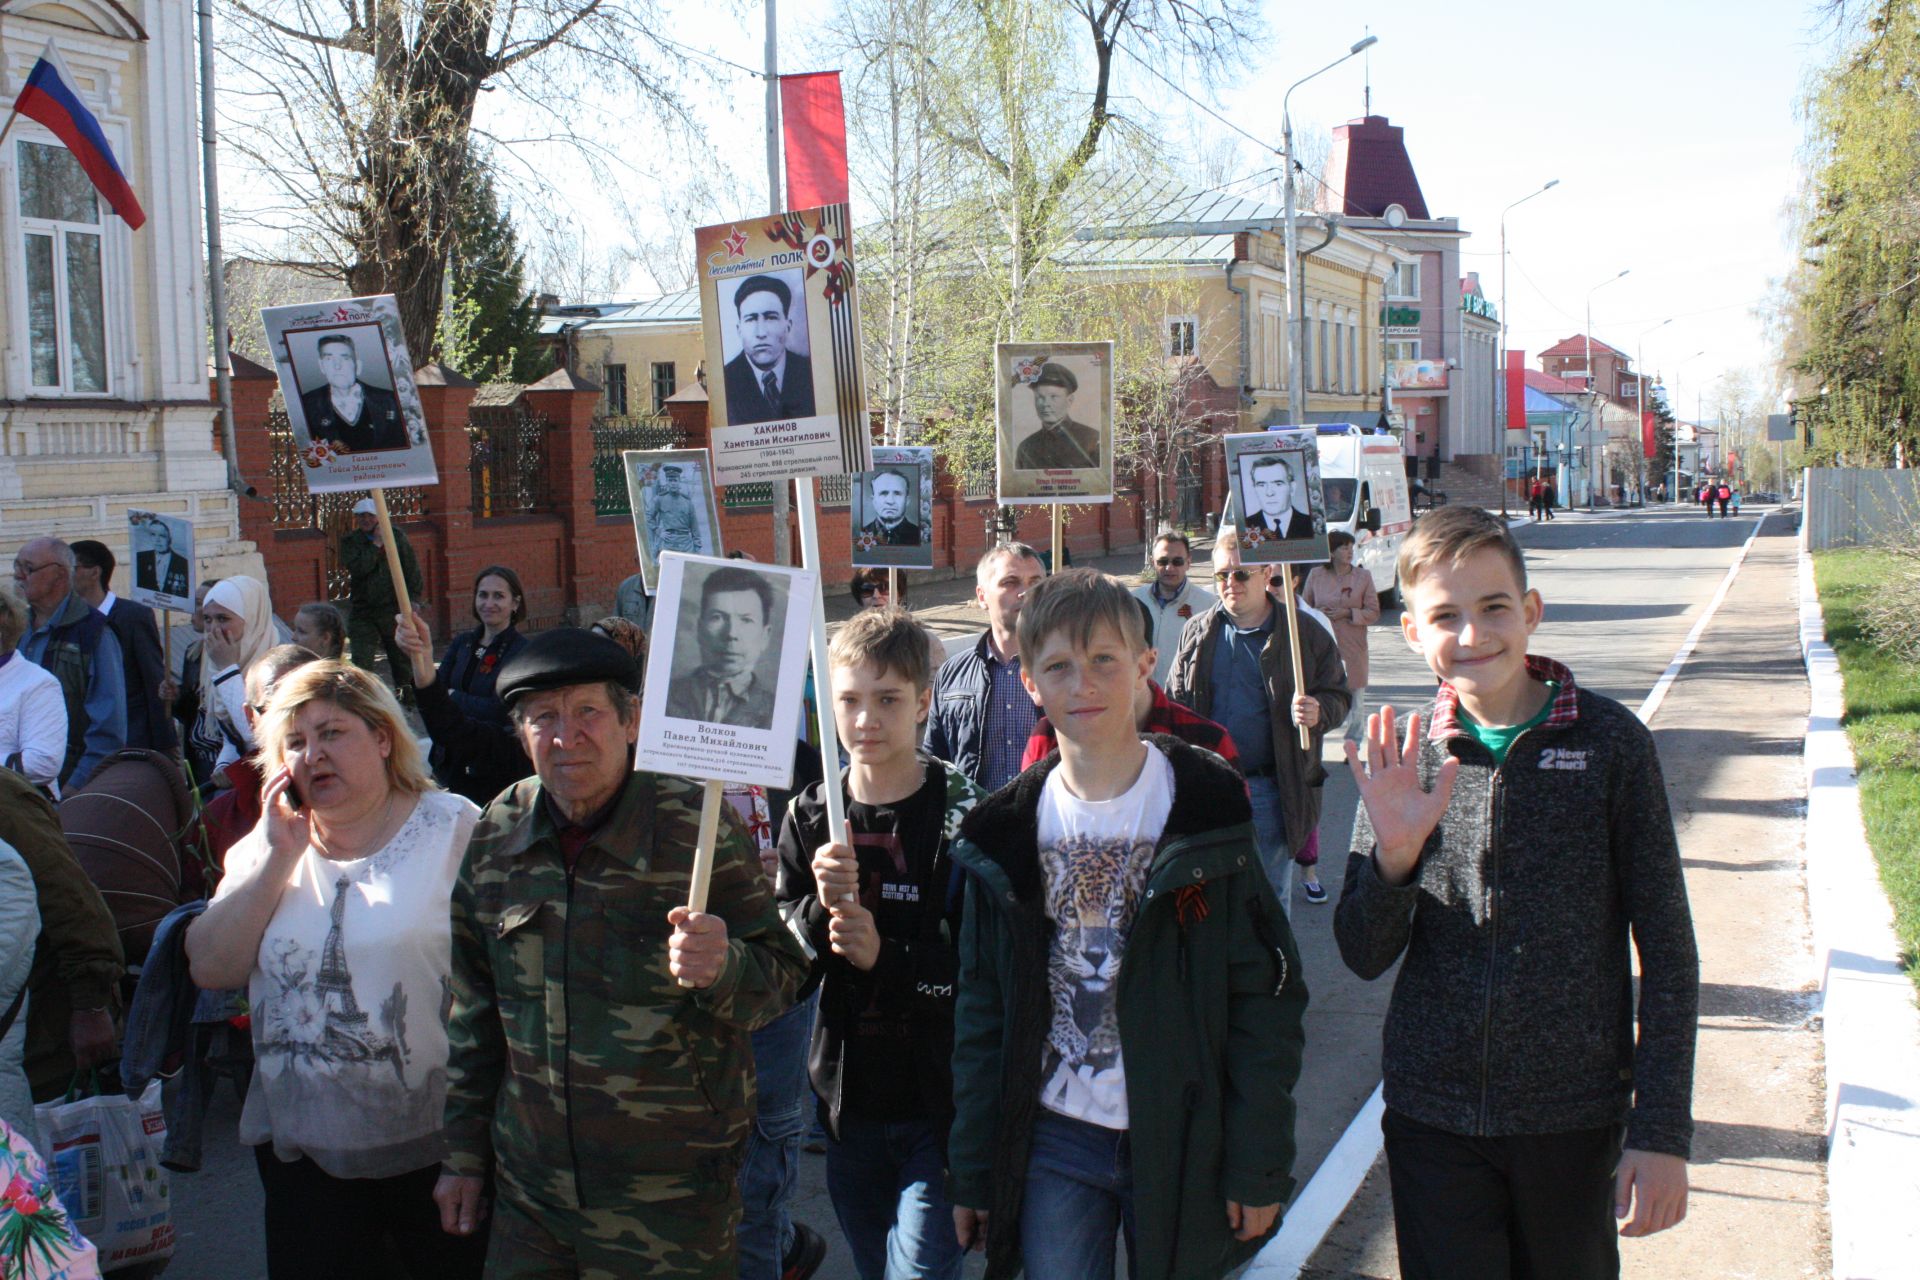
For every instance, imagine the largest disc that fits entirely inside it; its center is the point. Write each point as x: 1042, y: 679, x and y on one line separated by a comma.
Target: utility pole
x: 782, y: 536
x: 1500, y: 361
x: 1593, y: 391
x: 216, y: 257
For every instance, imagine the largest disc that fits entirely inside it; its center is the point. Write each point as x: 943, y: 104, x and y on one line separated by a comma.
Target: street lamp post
x: 1696, y: 426
x: 1639, y: 351
x: 1296, y: 367
x: 1500, y: 374
x: 1593, y: 392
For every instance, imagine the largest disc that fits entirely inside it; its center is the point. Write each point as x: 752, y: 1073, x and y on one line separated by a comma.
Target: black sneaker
x: 804, y: 1255
x: 1316, y: 893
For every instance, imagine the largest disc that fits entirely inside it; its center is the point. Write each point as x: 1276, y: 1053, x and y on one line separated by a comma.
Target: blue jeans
x: 771, y: 1165
x: 1270, y: 829
x: 1079, y: 1196
x: 886, y: 1181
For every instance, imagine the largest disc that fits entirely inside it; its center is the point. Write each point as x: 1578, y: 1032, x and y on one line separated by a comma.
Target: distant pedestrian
x: 375, y: 605
x: 1723, y: 495
x: 1536, y: 498
x: 1549, y: 497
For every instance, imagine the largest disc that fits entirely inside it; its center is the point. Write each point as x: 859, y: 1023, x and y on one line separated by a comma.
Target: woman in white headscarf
x: 239, y: 622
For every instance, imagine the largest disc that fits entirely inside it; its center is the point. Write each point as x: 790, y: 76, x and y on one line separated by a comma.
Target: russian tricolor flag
x: 49, y: 98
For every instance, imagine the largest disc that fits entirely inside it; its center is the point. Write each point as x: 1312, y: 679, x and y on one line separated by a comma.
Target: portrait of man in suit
x: 1060, y: 442
x: 1270, y: 493
x: 889, y: 502
x: 769, y: 380
x: 736, y: 620
x: 159, y: 567
x: 346, y: 410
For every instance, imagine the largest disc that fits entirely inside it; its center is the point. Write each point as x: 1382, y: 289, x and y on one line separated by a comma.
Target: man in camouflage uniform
x: 600, y: 1066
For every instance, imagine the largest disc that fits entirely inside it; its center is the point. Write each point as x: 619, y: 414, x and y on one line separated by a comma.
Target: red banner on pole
x: 1646, y: 433
x: 813, y: 123
x: 1516, y: 391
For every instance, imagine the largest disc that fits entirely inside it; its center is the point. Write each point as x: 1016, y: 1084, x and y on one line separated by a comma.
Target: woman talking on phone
x: 333, y: 912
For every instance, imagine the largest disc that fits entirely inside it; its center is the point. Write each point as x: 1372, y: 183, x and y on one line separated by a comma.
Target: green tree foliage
x: 1660, y: 466
x: 490, y: 329
x: 1854, y: 330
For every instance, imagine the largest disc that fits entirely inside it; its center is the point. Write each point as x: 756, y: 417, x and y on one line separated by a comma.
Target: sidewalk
x: 1730, y: 734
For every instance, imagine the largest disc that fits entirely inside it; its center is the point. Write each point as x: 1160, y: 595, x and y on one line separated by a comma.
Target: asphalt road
x: 1621, y: 593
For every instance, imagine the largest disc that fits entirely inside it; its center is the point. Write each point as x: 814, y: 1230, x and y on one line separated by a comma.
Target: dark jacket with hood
x: 916, y: 975
x: 1514, y: 1010
x: 1210, y: 1004
x: 1297, y: 771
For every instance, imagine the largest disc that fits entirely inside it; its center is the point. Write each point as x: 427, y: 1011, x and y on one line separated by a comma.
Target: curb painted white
x: 1869, y: 1023
x: 1337, y: 1180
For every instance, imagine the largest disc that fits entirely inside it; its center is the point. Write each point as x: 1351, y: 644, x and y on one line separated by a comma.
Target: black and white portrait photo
x: 162, y: 549
x: 763, y: 327
x: 892, y: 509
x: 1277, y: 502
x: 348, y: 385
x: 726, y: 679
x: 1055, y: 410
x: 670, y: 492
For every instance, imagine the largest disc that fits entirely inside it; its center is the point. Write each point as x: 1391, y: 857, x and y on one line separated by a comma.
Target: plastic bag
x: 104, y: 1154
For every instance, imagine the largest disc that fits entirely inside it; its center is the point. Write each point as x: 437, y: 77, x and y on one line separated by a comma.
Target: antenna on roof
x: 1366, y: 106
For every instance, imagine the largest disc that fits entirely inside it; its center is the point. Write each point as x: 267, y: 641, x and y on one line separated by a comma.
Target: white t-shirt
x: 1094, y: 859
x: 350, y: 995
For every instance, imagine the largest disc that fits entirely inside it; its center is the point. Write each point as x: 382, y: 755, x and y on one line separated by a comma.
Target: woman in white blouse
x: 33, y: 714
x: 333, y: 912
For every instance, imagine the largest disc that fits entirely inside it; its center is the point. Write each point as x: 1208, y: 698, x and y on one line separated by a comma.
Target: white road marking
x: 1334, y: 1184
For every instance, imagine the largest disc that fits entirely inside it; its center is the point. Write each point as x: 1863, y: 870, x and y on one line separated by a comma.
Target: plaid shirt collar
x: 1566, y: 702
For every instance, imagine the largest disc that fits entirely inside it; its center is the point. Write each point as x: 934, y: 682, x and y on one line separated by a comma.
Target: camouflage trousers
x: 688, y: 1238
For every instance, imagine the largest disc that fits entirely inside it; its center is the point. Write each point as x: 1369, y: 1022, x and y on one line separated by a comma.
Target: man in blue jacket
x: 70, y: 638
x: 982, y: 715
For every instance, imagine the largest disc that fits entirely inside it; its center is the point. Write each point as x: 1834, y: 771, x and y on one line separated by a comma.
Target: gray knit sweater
x: 1514, y: 1010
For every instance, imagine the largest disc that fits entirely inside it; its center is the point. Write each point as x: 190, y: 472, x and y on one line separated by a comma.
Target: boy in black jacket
x: 880, y: 918
x: 1511, y: 845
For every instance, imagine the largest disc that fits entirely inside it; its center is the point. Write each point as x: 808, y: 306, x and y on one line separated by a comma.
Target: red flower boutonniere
x: 488, y: 663
x: 1186, y: 611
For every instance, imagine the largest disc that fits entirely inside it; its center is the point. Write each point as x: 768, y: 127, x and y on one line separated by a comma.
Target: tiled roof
x: 1555, y: 386
x: 1577, y: 346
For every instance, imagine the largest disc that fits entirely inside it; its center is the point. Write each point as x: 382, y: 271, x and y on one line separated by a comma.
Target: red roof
x: 1558, y: 386
x: 1577, y: 346
x: 1372, y: 169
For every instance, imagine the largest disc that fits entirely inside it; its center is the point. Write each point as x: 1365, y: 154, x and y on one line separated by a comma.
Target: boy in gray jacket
x: 1512, y: 843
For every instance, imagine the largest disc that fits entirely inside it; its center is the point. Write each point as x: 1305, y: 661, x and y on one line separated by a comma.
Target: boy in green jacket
x: 1127, y: 1029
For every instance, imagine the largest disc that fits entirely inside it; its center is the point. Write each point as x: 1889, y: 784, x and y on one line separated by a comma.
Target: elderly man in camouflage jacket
x: 600, y: 1066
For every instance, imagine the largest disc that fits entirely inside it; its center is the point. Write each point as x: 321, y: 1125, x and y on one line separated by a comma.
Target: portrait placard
x: 726, y: 679
x: 1278, y: 507
x: 1053, y: 404
x: 671, y: 493
x: 348, y: 383
x: 164, y: 570
x: 891, y: 508
x: 782, y: 323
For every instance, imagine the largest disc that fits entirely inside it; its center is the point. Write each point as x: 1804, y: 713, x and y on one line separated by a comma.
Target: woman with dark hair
x: 870, y: 590
x: 467, y: 668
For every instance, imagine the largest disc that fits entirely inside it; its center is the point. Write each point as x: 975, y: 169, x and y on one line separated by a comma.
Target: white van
x: 1364, y: 477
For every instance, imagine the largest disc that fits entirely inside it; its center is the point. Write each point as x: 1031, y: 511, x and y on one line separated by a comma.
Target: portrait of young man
x: 1060, y: 442
x: 769, y: 380
x: 724, y: 671
x: 894, y: 515
x: 673, y: 521
x: 354, y: 415
x: 1272, y: 491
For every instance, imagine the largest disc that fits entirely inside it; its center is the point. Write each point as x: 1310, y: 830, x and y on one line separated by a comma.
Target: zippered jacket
x: 579, y: 1069
x: 1210, y: 1005
x: 1514, y: 1009
x: 916, y: 975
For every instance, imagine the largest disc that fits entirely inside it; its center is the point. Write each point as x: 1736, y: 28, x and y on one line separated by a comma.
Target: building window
x: 1403, y: 348
x: 1306, y: 354
x: 1182, y: 335
x: 616, y: 390
x: 1320, y: 352
x: 63, y: 266
x: 1353, y: 358
x: 1404, y: 284
x: 663, y: 384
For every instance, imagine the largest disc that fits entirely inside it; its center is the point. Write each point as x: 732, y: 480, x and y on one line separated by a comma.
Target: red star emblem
x: 736, y: 243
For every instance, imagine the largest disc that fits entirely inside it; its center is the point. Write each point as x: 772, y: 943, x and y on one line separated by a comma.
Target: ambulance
x: 1364, y: 477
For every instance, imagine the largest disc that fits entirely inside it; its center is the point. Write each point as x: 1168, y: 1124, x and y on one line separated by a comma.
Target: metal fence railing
x: 508, y: 460
x: 331, y: 514
x: 613, y: 436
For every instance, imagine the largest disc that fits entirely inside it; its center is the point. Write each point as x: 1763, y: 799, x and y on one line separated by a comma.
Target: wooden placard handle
x: 702, y: 879
x: 1059, y: 540
x: 393, y: 553
x: 1293, y: 650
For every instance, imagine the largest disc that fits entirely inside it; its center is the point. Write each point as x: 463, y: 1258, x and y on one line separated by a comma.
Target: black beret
x: 564, y: 656
x: 1056, y: 375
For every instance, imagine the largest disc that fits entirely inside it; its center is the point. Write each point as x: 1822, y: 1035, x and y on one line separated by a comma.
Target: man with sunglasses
x: 1171, y: 598
x: 1234, y: 667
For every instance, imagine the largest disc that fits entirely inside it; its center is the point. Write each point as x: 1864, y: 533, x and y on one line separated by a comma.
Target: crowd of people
x: 1040, y: 997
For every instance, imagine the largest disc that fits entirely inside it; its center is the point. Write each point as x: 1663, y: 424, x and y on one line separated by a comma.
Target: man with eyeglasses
x: 1171, y: 598
x: 1234, y: 667
x: 72, y: 639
